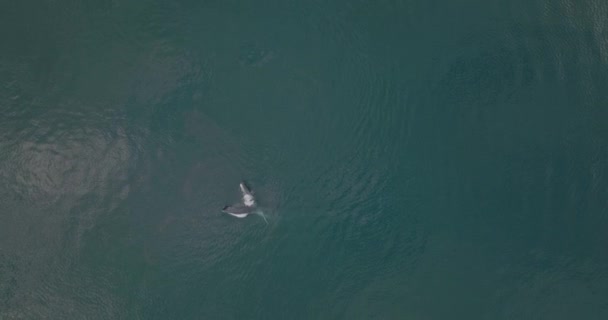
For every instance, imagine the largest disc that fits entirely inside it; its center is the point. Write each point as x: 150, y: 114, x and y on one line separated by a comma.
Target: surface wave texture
x: 414, y: 159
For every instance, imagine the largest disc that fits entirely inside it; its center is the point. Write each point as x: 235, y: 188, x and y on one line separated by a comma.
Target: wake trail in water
x: 261, y: 213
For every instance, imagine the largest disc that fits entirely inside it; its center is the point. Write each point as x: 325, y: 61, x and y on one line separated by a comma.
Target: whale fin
x: 245, y: 188
x: 248, y: 198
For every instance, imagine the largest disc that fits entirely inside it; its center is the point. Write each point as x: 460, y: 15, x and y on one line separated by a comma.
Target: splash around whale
x: 246, y: 207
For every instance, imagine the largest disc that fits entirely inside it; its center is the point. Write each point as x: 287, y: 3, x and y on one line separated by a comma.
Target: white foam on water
x: 248, y: 200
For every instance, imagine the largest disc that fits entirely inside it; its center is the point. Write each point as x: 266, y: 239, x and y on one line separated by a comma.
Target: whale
x: 247, y: 205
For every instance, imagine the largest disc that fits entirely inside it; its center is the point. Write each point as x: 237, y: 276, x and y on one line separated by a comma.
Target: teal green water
x: 415, y: 159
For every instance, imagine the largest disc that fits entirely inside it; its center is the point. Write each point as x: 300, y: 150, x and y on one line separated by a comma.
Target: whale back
x: 237, y: 209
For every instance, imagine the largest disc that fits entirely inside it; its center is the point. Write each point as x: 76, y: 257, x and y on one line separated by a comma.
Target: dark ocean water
x: 415, y: 159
